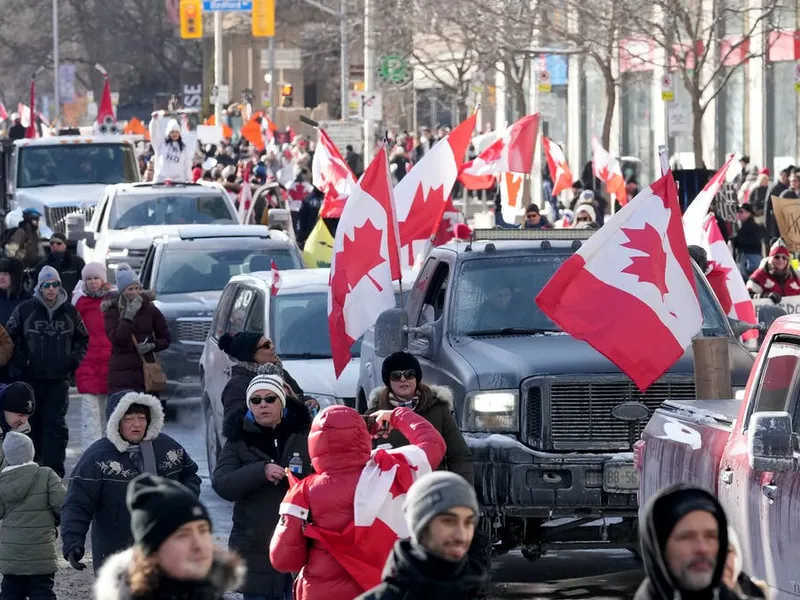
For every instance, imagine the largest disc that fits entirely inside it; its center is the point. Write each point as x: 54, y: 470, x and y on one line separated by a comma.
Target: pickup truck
x: 746, y: 452
x: 550, y: 422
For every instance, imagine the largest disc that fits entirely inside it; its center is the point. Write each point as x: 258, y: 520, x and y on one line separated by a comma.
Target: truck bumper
x: 516, y: 481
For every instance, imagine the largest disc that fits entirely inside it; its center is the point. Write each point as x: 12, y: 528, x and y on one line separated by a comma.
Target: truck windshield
x: 76, y: 164
x: 140, y: 210
x: 186, y: 270
x: 496, y: 296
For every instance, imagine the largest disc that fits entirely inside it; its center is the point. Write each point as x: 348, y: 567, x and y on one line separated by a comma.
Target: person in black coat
x: 98, y: 484
x: 11, y: 292
x: 748, y: 241
x: 68, y: 265
x: 307, y: 215
x: 251, y: 473
x: 17, y: 130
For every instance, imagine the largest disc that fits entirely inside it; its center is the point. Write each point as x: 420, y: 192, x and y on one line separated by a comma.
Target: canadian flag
x: 245, y: 199
x: 332, y: 175
x: 606, y: 168
x: 557, y: 163
x: 24, y: 114
x: 512, y: 151
x: 511, y: 188
x: 276, y: 279
x: 450, y: 218
x: 695, y: 216
x: 638, y: 268
x: 3, y: 112
x: 106, y: 108
x: 365, y: 260
x: 422, y: 194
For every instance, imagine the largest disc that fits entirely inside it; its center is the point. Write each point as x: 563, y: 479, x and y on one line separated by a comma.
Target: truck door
x: 764, y: 507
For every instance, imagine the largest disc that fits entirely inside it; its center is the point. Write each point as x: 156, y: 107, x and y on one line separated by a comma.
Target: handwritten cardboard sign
x: 787, y: 213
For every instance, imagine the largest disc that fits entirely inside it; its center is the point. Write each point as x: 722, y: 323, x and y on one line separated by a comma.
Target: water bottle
x: 296, y: 465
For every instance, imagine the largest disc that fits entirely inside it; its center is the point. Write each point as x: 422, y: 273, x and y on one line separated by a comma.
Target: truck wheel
x: 532, y: 553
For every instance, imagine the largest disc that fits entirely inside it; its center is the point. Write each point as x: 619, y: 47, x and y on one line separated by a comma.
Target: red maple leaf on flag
x: 360, y: 255
x: 423, y: 215
x: 653, y: 267
x: 715, y: 266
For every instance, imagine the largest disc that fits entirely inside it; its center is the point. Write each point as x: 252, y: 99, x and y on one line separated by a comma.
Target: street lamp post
x: 56, y: 66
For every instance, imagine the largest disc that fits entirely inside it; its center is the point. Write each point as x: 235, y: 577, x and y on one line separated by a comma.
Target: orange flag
x: 251, y: 131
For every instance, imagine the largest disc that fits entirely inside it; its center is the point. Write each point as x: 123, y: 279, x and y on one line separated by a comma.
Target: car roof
x: 201, y: 232
x: 72, y: 139
x: 175, y: 188
x: 488, y: 241
x: 301, y: 281
x: 219, y: 239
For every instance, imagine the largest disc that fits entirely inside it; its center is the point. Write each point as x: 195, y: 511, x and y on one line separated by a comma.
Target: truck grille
x: 580, y: 411
x: 57, y: 217
x: 193, y: 331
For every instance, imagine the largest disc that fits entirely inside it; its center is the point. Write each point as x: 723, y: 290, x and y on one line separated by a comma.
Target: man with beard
x: 684, y: 536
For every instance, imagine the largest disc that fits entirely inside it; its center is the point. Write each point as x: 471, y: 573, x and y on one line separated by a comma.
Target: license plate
x: 620, y: 477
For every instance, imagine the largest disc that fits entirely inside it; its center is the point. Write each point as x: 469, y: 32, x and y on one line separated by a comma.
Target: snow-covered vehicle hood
x: 85, y: 196
x: 316, y: 377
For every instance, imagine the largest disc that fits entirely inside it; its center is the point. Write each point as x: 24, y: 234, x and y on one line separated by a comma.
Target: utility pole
x: 218, y: 65
x: 369, y: 77
x: 345, y: 59
x: 273, y: 84
x: 56, y: 66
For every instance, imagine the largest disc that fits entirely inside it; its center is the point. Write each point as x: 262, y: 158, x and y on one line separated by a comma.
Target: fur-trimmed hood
x: 430, y: 396
x: 118, y: 405
x: 113, y: 297
x: 227, y: 574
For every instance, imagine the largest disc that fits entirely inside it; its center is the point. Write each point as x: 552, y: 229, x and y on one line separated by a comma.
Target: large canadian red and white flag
x: 606, y: 168
x: 365, y: 260
x: 245, y: 200
x: 421, y: 195
x: 512, y: 151
x: 637, y: 268
x: 694, y: 217
x: 557, y: 163
x: 511, y: 196
x: 3, y: 112
x: 331, y: 174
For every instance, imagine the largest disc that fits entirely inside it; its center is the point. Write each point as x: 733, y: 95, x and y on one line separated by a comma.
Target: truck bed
x: 683, y: 442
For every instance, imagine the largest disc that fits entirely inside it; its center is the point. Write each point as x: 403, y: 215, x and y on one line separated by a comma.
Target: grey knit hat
x: 435, y: 493
x: 125, y: 276
x: 18, y: 448
x: 47, y: 273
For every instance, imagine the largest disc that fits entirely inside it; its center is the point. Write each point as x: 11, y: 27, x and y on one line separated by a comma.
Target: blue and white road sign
x: 227, y: 5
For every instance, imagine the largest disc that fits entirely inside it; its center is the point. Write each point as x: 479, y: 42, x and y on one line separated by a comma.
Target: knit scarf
x: 258, y: 369
x: 407, y: 403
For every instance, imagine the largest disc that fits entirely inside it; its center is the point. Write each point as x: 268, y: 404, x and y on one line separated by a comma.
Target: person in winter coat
x: 50, y: 341
x: 173, y: 557
x: 251, y: 473
x: 24, y: 242
x: 173, y: 157
x: 441, y: 511
x: 308, y: 214
x: 11, y: 292
x: 734, y: 578
x: 584, y: 214
x: 92, y: 376
x: 136, y: 329
x: 315, y: 535
x: 18, y: 404
x: 684, y: 537
x: 775, y: 278
x: 254, y: 355
x: 17, y: 130
x: 30, y: 507
x: 6, y: 352
x: 748, y: 240
x: 68, y: 265
x: 716, y: 276
x: 770, y: 221
x: 533, y: 218
x: 133, y: 444
x: 402, y: 378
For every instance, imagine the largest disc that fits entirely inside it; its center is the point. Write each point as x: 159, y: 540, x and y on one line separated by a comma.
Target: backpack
x: 5, y: 237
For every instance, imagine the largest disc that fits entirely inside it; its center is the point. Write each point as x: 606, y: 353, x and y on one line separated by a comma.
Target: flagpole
x: 663, y: 154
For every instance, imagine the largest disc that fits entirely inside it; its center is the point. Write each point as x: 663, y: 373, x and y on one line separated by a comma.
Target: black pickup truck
x: 550, y: 421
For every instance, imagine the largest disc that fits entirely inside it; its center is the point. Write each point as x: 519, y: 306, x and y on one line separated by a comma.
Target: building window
x: 781, y: 115
x: 593, y: 107
x: 636, y: 116
x: 731, y: 115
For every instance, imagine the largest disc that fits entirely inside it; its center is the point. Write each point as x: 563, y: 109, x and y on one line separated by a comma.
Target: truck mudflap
x: 683, y: 443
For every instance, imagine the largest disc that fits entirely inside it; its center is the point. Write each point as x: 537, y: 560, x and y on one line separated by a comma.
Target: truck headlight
x: 496, y: 411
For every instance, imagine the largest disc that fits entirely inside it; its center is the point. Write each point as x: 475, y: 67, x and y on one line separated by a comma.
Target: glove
x: 145, y: 347
x: 74, y: 557
x: 132, y: 308
x: 775, y: 297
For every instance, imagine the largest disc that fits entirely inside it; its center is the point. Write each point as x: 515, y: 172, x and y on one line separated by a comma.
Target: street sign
x: 220, y: 94
x: 544, y: 86
x: 192, y: 95
x: 66, y: 83
x: 344, y: 133
x: 227, y: 5
x: 285, y: 58
x: 266, y: 101
x: 679, y: 120
x: 667, y: 88
x: 394, y: 70
x: 797, y: 77
x: 91, y: 110
x: 354, y: 104
x: 372, y: 106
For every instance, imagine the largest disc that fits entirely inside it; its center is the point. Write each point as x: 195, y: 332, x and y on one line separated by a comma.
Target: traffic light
x: 286, y: 95
x: 263, y: 18
x: 191, y: 19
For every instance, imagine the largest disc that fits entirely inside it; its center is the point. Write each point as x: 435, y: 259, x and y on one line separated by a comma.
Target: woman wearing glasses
x: 252, y: 473
x: 775, y: 278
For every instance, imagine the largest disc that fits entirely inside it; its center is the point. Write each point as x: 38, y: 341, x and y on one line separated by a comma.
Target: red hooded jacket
x: 92, y: 375
x: 340, y: 447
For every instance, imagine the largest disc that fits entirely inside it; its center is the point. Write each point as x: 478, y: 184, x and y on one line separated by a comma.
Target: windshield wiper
x: 510, y: 331
x: 304, y: 355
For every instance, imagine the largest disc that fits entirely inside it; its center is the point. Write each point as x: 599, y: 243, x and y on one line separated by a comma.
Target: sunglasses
x: 531, y: 215
x: 408, y: 374
x: 51, y: 284
x: 780, y: 257
x: 56, y: 243
x: 256, y: 400
x: 265, y: 346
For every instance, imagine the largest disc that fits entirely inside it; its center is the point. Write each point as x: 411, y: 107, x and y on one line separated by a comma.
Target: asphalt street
x: 573, y: 575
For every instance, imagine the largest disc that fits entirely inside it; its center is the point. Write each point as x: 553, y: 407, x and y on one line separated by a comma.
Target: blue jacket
x: 98, y: 485
x: 8, y: 302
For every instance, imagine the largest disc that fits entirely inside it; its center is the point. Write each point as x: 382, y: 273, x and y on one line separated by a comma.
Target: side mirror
x: 427, y: 335
x: 75, y: 226
x: 771, y: 442
x: 391, y: 332
x: 741, y: 327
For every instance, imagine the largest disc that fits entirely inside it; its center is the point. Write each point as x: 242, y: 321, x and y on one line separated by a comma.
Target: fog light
x: 593, y: 479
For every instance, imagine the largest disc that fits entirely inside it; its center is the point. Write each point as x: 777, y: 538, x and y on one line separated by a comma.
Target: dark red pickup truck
x: 747, y: 451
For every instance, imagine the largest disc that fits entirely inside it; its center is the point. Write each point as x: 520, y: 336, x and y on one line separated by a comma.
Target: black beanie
x: 18, y: 397
x: 400, y: 361
x: 676, y: 504
x: 241, y: 346
x: 158, y: 507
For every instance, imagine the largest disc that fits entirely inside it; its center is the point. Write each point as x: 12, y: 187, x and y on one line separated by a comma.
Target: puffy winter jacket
x: 100, y: 480
x: 92, y: 375
x: 173, y: 160
x: 764, y: 282
x: 340, y: 446
x: 125, y: 366
x: 239, y: 477
x: 30, y: 505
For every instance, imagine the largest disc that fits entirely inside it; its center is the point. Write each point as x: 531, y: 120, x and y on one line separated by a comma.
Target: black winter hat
x: 678, y: 503
x: 11, y: 265
x: 400, y: 361
x: 158, y: 507
x: 18, y: 397
x: 241, y: 346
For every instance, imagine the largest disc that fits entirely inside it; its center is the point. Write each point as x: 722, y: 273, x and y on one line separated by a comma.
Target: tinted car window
x: 185, y: 270
x: 139, y: 210
x: 221, y: 316
x: 76, y: 164
x: 241, y: 305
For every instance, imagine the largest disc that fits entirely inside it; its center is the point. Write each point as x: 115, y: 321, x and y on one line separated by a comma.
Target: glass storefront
x: 638, y: 139
x: 593, y: 107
